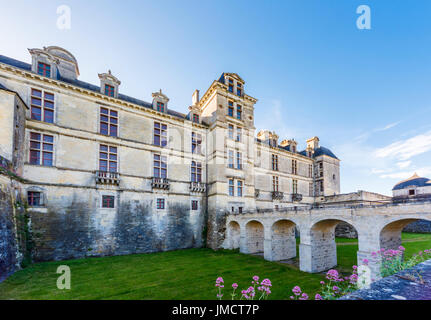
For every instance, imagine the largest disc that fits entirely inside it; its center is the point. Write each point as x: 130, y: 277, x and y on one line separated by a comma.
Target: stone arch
x: 283, y: 240
x: 318, y: 251
x: 390, y: 233
x: 255, y: 235
x: 233, y: 235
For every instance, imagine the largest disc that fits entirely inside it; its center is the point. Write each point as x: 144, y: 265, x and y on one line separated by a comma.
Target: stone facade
x: 109, y: 174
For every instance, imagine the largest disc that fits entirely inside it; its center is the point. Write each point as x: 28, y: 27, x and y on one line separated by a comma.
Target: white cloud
x: 406, y: 149
x: 422, y: 172
x: 404, y: 164
x: 389, y: 126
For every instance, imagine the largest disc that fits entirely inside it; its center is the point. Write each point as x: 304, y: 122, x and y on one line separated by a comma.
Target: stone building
x: 105, y: 173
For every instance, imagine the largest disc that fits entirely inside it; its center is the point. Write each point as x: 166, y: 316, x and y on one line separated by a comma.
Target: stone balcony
x: 106, y: 177
x: 197, y: 187
x: 277, y: 195
x: 296, y: 197
x: 160, y: 183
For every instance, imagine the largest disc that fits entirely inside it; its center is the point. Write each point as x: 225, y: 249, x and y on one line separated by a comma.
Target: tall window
x: 230, y: 109
x: 160, y: 166
x: 195, y: 118
x: 109, y: 90
x: 194, y: 204
x: 230, y: 85
x: 42, y: 106
x: 160, y: 106
x: 44, y: 69
x: 108, y: 158
x: 321, y: 169
x: 274, y: 183
x: 108, y: 202
x: 108, y: 122
x: 294, y: 186
x: 196, y: 171
x: 160, y: 134
x: 239, y: 188
x: 230, y: 159
x: 196, y: 142
x: 239, y: 89
x: 294, y: 167
x: 274, y: 162
x: 160, y: 203
x: 41, y: 149
x: 34, y: 198
x: 239, y: 160
x: 231, y: 188
x: 238, y: 134
x: 238, y: 112
x: 310, y: 170
x: 230, y: 131
x: 310, y: 189
x: 321, y: 186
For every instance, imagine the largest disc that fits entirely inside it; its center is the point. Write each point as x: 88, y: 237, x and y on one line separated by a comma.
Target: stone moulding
x: 277, y: 195
x: 106, y: 177
x: 197, y: 187
x: 160, y: 183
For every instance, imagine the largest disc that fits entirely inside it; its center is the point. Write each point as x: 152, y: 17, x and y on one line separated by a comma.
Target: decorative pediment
x: 109, y: 78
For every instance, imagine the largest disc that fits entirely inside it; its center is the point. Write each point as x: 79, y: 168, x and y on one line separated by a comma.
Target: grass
x: 184, y: 274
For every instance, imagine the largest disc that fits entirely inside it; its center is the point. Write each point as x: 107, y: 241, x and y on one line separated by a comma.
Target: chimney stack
x: 195, y: 97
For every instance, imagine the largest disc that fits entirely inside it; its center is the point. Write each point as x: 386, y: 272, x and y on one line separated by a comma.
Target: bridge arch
x: 255, y: 236
x: 283, y: 240
x: 233, y: 235
x: 318, y: 249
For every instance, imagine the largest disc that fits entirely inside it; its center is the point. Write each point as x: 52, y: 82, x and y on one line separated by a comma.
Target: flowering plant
x: 261, y: 290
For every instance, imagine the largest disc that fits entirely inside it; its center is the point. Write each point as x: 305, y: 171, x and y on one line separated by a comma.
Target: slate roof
x: 320, y: 152
x: 88, y: 86
x: 414, y: 181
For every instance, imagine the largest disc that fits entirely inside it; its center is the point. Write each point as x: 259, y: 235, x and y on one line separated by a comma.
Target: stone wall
x: 421, y: 226
x: 345, y: 230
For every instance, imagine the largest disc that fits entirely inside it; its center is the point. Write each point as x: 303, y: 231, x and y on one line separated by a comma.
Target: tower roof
x: 413, y: 181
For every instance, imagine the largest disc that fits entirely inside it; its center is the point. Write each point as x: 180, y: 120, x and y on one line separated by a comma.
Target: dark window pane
x: 48, y: 116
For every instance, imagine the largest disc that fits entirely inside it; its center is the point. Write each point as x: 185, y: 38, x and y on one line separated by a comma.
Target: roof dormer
x: 195, y: 111
x: 160, y: 101
x: 109, y: 84
x: 234, y: 83
x: 268, y: 137
x: 54, y: 62
x: 289, y: 144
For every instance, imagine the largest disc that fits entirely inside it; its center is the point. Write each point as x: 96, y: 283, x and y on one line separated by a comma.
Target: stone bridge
x: 273, y: 233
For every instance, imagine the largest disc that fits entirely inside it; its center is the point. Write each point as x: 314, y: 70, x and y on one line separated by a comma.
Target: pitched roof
x: 320, y: 152
x: 88, y: 86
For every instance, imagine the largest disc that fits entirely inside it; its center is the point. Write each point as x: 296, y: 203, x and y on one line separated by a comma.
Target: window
x: 274, y: 183
x: 194, y: 204
x: 231, y: 188
x: 310, y: 189
x: 239, y: 160
x: 160, y: 134
x: 160, y: 166
x: 321, y: 186
x: 41, y: 149
x: 196, y: 142
x: 230, y: 159
x: 333, y: 177
x: 44, y: 69
x: 238, y: 112
x: 160, y: 203
x: 411, y: 192
x: 310, y: 170
x: 160, y: 106
x: 109, y: 90
x: 108, y: 122
x: 239, y: 188
x: 230, y: 109
x: 108, y: 202
x: 230, y: 85
x: 34, y: 198
x: 42, y: 106
x: 196, y: 171
x: 238, y: 89
x: 295, y: 186
x: 108, y: 158
x: 276, y: 207
x: 195, y: 118
x: 238, y: 134
x: 230, y: 131
x: 239, y: 209
x: 294, y: 167
x: 274, y: 162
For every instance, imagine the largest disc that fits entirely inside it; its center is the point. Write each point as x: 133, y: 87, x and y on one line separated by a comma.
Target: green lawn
x: 185, y: 274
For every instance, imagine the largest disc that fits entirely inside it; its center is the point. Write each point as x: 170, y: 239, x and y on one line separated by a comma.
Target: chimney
x: 313, y: 143
x: 195, y: 97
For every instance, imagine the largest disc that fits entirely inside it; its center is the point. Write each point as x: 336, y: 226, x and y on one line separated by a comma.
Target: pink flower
x: 256, y: 278
x: 266, y: 282
x: 304, y: 296
x: 355, y: 267
x: 318, y: 297
x: 235, y: 285
x: 219, y: 279
x: 365, y: 261
x: 296, y: 290
x: 335, y: 288
x: 322, y: 282
x: 401, y: 248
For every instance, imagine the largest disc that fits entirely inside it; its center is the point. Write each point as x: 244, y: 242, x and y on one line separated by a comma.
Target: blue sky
x: 365, y: 93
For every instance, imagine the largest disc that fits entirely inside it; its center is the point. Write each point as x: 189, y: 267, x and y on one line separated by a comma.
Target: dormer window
x: 230, y: 109
x: 160, y: 106
x: 195, y: 118
x: 230, y: 85
x: 109, y: 90
x: 239, y: 89
x: 44, y: 69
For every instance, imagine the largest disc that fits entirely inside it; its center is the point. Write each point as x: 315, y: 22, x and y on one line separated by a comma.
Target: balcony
x: 160, y: 183
x: 106, y: 177
x: 296, y: 197
x: 197, y: 187
x: 277, y: 195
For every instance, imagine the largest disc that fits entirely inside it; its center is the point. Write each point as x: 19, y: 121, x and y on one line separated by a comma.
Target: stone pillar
x: 243, y: 244
x: 305, y: 258
x: 373, y: 264
x: 267, y: 245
